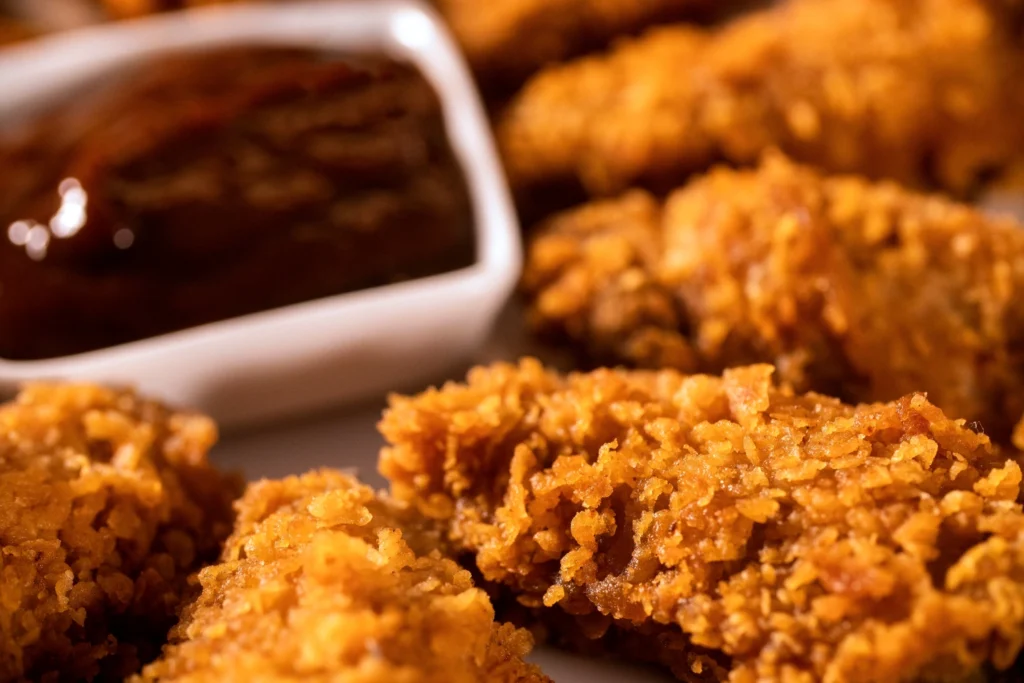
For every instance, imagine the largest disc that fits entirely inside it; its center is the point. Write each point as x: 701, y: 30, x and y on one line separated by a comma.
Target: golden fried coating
x: 799, y: 538
x: 921, y: 91
x: 859, y: 290
x: 107, y: 503
x: 136, y: 8
x: 324, y: 581
x: 14, y: 31
x: 508, y: 39
x: 511, y: 38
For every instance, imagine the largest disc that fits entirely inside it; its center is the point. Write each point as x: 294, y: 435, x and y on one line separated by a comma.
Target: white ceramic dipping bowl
x: 328, y: 351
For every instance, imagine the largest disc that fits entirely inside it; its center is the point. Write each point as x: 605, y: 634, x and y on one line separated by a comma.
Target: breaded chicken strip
x: 798, y: 538
x: 508, y: 39
x: 925, y: 92
x: 859, y: 290
x: 107, y: 503
x: 14, y: 31
x: 323, y: 581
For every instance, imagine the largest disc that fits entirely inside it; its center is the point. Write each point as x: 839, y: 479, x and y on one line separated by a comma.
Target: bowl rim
x: 38, y: 71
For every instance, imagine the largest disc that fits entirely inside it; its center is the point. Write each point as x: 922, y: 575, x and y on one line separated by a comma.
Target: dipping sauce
x: 206, y: 186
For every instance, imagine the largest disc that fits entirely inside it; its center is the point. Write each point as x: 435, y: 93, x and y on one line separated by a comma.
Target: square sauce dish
x: 261, y: 309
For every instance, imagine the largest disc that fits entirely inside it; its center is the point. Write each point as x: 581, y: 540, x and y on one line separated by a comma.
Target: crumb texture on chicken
x: 860, y: 290
x: 921, y: 91
x: 107, y: 503
x: 14, y: 31
x: 506, y: 40
x: 799, y: 538
x: 324, y: 581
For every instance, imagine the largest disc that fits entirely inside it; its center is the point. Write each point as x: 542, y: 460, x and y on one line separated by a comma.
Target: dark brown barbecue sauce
x: 206, y: 186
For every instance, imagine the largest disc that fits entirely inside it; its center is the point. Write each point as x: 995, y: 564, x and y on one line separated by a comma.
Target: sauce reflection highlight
x: 69, y: 219
x: 206, y: 186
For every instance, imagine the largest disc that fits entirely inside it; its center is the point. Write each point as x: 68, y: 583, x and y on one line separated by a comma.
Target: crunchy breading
x: 107, y: 503
x: 860, y: 290
x: 324, y: 581
x: 135, y: 8
x: 508, y: 39
x: 921, y: 91
x: 798, y: 538
x: 14, y: 31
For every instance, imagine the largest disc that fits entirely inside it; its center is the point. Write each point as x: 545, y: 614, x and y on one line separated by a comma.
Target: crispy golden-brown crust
x: 509, y: 39
x: 805, y: 539
x: 135, y: 8
x: 921, y: 91
x: 860, y: 290
x: 324, y: 581
x: 107, y: 503
x: 14, y: 31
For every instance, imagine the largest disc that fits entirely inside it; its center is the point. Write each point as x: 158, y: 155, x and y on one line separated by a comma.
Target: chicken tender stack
x: 323, y: 581
x: 921, y: 91
x: 14, y: 31
x: 508, y: 39
x: 859, y: 290
x: 107, y: 503
x: 798, y: 538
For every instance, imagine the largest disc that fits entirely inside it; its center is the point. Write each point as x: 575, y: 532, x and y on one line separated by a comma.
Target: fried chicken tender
x: 14, y: 31
x: 324, y: 581
x: 508, y: 39
x: 798, y: 538
x: 921, y: 91
x: 107, y: 503
x: 859, y: 290
x: 123, y: 9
